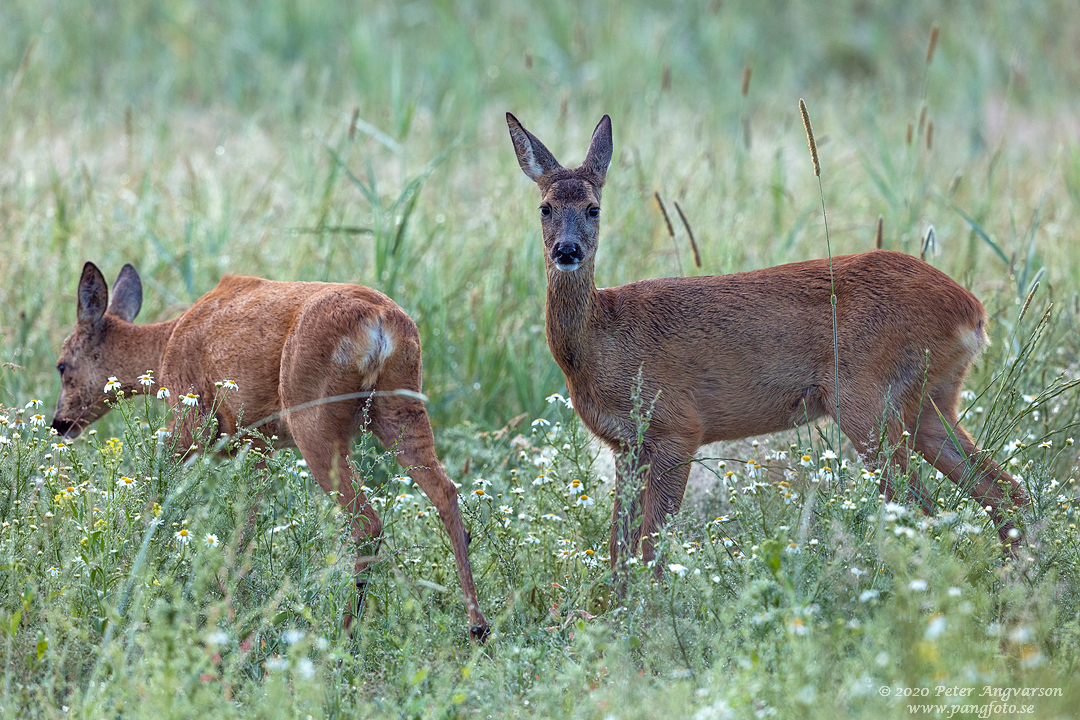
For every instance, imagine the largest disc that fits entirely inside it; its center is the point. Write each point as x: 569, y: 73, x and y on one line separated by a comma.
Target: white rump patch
x: 367, y: 355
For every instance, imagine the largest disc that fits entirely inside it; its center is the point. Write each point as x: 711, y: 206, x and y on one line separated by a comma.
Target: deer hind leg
x: 402, y: 419
x: 322, y: 434
x: 957, y: 457
x: 877, y: 432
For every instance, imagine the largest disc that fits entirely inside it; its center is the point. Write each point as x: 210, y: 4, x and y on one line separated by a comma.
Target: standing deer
x: 731, y: 356
x: 292, y: 348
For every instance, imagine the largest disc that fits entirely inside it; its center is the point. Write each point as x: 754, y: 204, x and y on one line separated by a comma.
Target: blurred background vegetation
x: 196, y: 138
x: 366, y: 142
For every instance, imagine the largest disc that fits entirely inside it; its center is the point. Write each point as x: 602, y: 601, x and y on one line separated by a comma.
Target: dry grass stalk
x: 930, y: 135
x: 879, y: 236
x: 690, y: 233
x: 663, y: 211
x: 746, y: 81
x: 907, y: 136
x: 929, y: 242
x: 352, y: 122
x: 933, y: 43
x: 810, y: 137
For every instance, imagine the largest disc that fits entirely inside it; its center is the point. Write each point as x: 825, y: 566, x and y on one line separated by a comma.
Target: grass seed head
x: 810, y: 137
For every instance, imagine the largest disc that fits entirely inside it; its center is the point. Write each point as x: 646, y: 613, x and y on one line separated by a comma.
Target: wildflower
x: 868, y: 595
x: 531, y: 539
x: 38, y: 420
x: 35, y: 403
x: 753, y: 469
x: 147, y: 378
x: 858, y: 572
x: 574, y: 484
x: 211, y: 540
x: 113, y: 385
x: 848, y: 505
x: 518, y: 491
x: 191, y: 399
x: 482, y: 483
x: 53, y: 572
x: 678, y: 569
x: 163, y: 393
x: 506, y: 509
x: 798, y: 626
x: 4, y: 440
x: 584, y: 501
x: 218, y: 638
x: 955, y: 592
x: 541, y: 422
x: 479, y: 492
x: 183, y: 535
x: 935, y: 628
x: 1045, y: 444
x: 552, y: 517
x: 1030, y: 399
x: 125, y: 482
x: 917, y: 585
x: 229, y: 385
x: 894, y: 510
x: 555, y: 397
x: 828, y: 454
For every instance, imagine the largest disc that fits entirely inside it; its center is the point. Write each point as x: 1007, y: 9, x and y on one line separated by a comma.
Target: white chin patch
x: 567, y: 268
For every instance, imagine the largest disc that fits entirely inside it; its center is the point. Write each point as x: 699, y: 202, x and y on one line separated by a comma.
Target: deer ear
x: 535, y: 160
x: 93, y: 296
x: 598, y: 158
x: 127, y: 294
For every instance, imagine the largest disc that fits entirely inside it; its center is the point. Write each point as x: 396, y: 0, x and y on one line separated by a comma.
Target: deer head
x: 94, y: 352
x: 570, y: 204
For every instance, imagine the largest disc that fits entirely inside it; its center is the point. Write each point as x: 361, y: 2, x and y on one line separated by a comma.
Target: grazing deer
x: 311, y: 358
x: 731, y: 356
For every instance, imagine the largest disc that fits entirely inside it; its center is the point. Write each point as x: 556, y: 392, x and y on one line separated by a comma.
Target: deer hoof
x: 480, y: 632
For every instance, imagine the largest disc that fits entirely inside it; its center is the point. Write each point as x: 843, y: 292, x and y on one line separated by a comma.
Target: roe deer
x: 291, y: 348
x: 731, y: 356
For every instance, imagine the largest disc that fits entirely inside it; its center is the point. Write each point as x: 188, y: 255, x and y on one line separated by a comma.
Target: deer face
x: 570, y: 209
x: 570, y: 218
x: 90, y: 355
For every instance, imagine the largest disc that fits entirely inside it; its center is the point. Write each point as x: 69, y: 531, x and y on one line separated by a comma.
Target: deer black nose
x: 567, y: 255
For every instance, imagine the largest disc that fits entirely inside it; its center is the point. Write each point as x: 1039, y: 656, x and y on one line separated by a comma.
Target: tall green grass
x: 194, y: 140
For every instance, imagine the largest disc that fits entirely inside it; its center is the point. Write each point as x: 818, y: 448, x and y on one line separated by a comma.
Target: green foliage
x: 365, y: 143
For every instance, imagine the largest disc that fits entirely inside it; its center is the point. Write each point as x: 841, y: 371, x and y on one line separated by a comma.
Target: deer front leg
x: 653, y: 487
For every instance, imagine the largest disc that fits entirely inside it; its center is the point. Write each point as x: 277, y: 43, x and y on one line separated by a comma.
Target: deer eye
x: 545, y: 210
x: 594, y: 211
x: 61, y: 367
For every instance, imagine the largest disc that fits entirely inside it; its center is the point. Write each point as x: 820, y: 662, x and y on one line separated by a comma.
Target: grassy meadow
x: 366, y: 142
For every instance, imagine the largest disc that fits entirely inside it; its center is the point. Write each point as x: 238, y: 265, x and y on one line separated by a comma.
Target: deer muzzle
x: 567, y: 256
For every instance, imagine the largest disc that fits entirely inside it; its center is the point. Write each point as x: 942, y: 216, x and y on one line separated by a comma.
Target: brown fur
x: 284, y: 344
x: 732, y: 356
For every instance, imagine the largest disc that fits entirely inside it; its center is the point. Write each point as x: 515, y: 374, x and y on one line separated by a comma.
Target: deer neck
x: 572, y: 318
x: 143, y: 349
